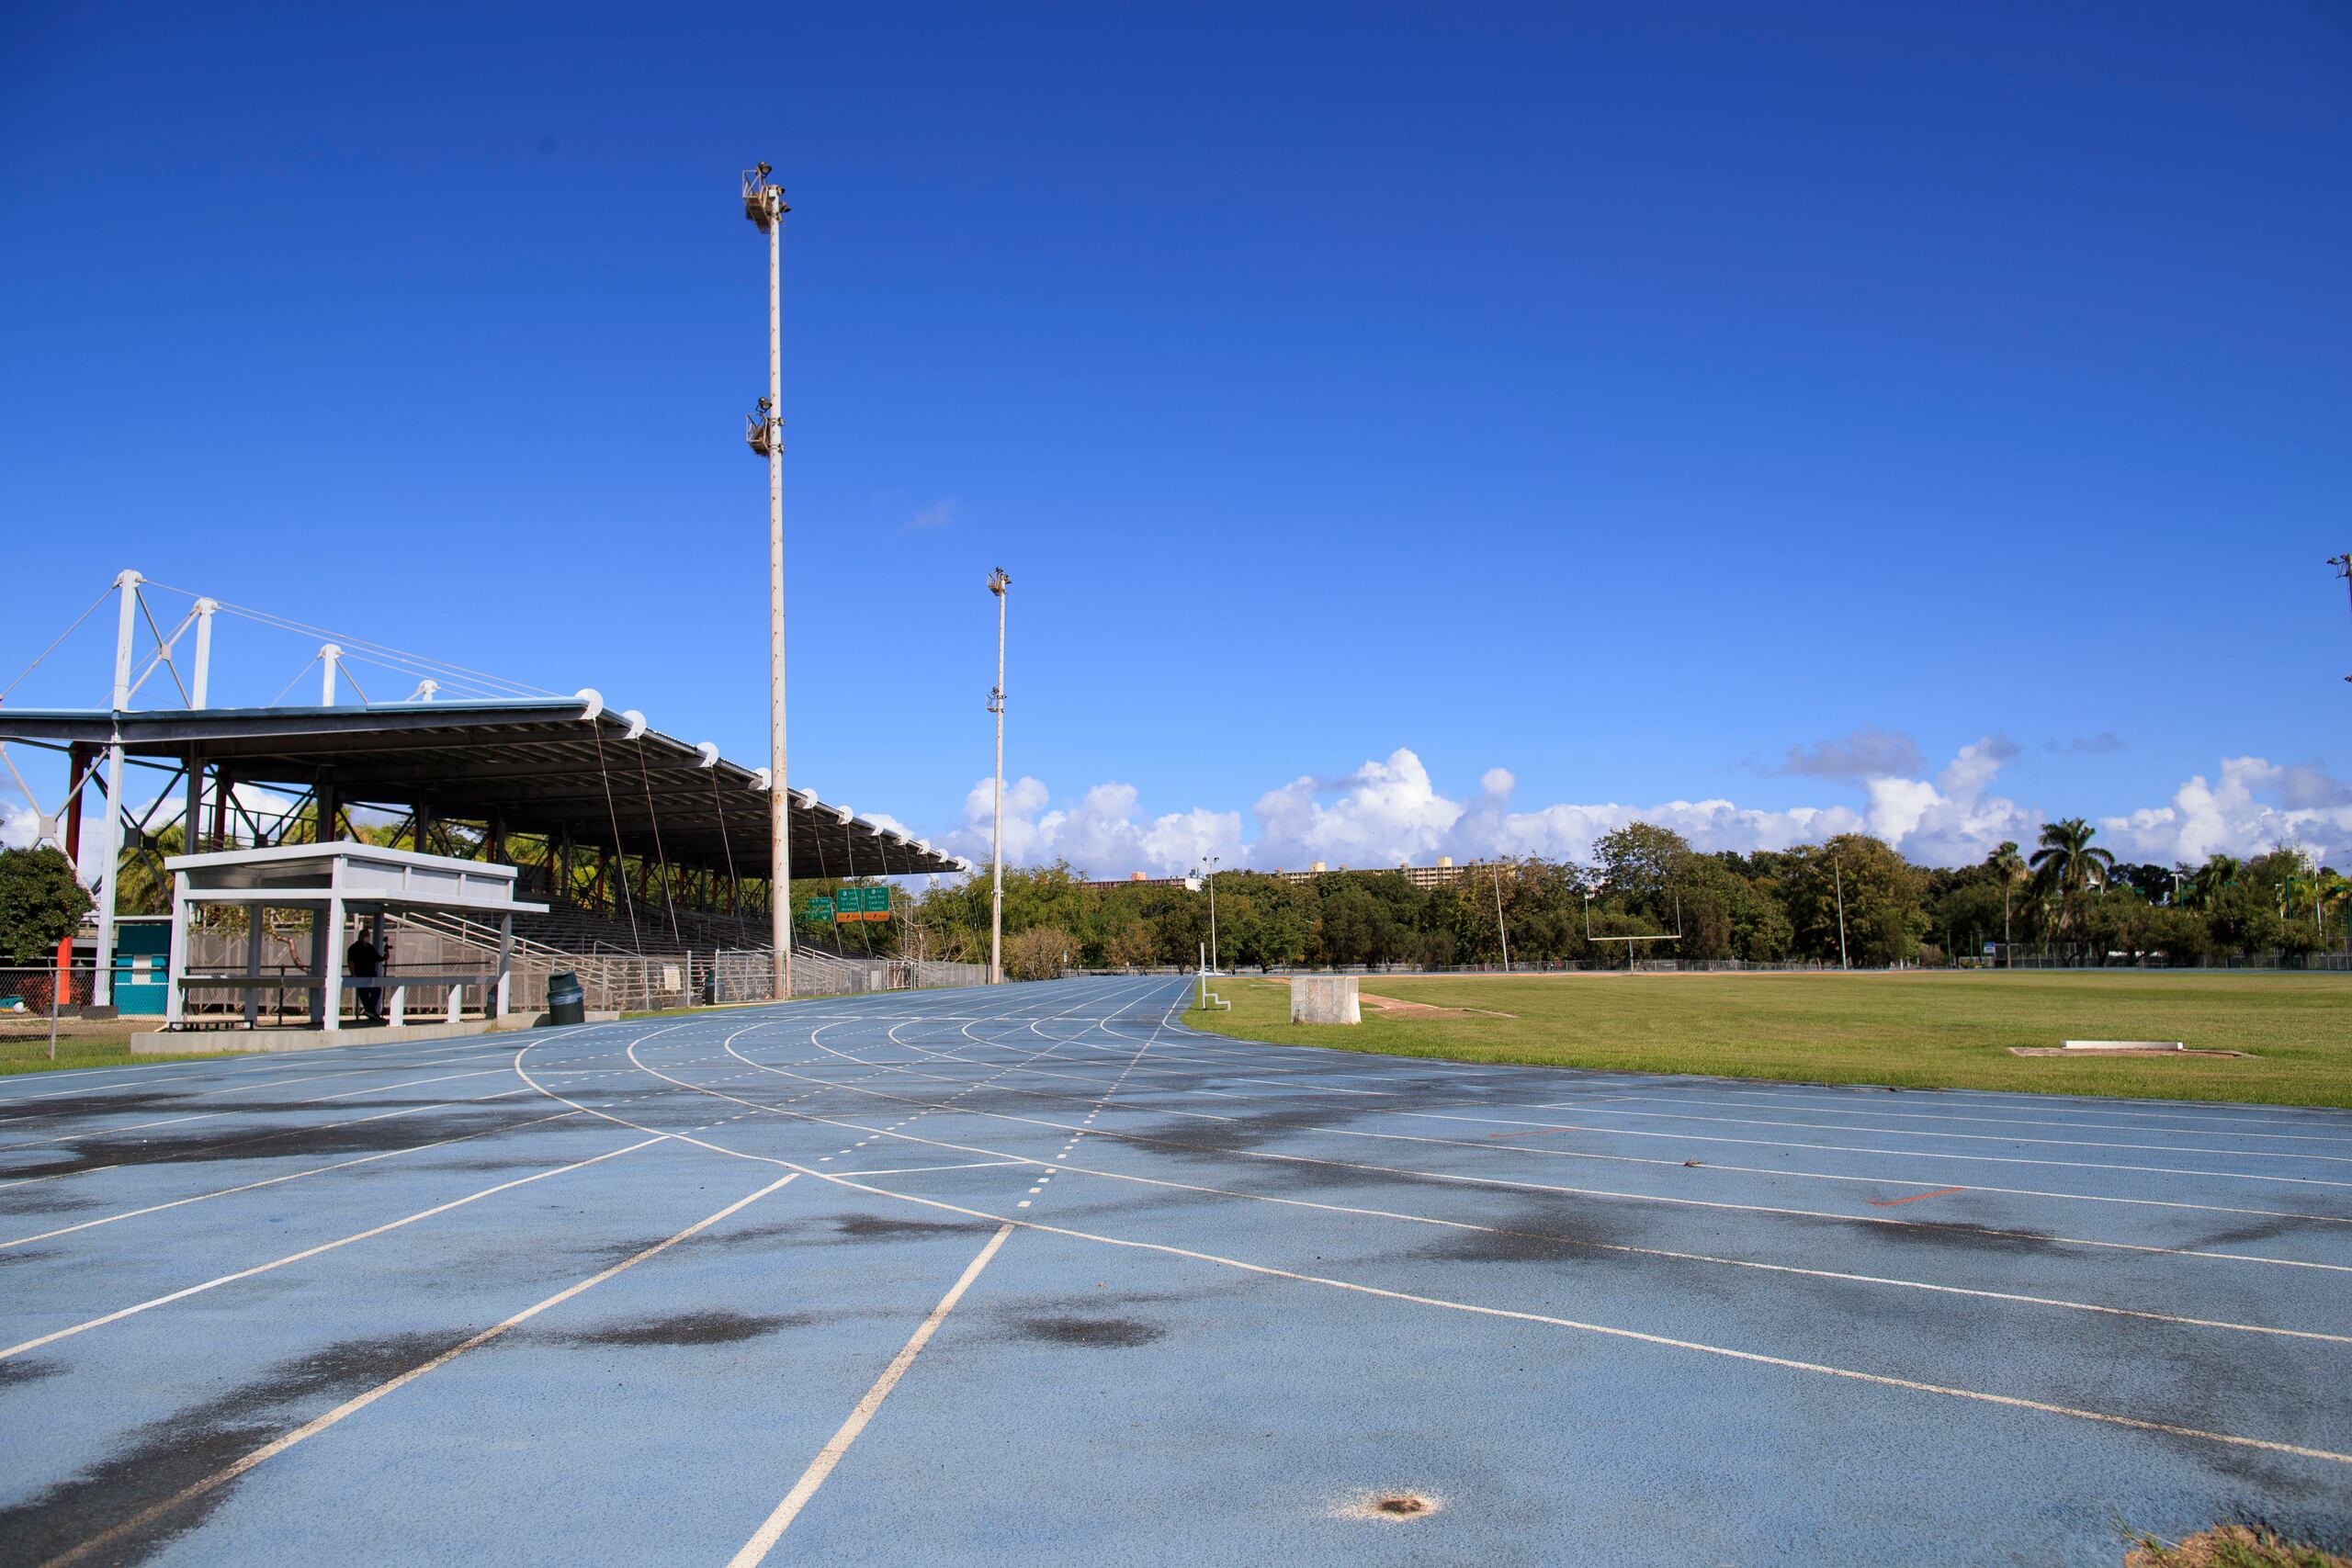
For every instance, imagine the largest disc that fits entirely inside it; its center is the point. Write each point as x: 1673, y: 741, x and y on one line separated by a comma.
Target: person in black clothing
x: 361, y: 961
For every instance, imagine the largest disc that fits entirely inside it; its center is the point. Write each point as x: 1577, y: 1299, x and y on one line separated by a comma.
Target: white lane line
x: 1972, y: 1137
x: 1756, y: 1357
x: 1696, y: 1258
x: 1903, y: 1154
x: 286, y: 1070
x: 1843, y: 1275
x: 313, y: 1427
x: 1533, y: 1151
x: 1814, y: 1108
x: 169, y: 1121
x: 257, y: 1138
x: 771, y: 1530
x: 141, y: 1075
x: 2008, y: 1401
x: 290, y: 1176
x: 227, y: 1064
x: 182, y: 1294
x: 241, y: 1109
x: 2202, y: 1112
x: 1445, y: 1176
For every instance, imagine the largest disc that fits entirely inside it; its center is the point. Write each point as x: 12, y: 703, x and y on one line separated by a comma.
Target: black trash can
x: 567, y: 1003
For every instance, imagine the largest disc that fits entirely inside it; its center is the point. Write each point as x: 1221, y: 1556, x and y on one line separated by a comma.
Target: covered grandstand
x: 648, y: 849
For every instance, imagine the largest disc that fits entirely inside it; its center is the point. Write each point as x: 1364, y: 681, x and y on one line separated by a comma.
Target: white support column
x: 505, y: 966
x: 328, y: 657
x: 102, y: 984
x: 331, y: 935
x: 202, y: 686
x: 256, y: 921
x: 175, y: 969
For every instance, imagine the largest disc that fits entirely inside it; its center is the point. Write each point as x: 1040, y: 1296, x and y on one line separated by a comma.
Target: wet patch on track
x: 1089, y: 1333
x: 161, y: 1460
x: 713, y: 1327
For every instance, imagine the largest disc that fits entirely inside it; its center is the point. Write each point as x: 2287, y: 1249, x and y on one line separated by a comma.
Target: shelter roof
x: 541, y: 765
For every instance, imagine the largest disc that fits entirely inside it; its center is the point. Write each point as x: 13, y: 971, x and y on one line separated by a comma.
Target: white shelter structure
x: 337, y: 881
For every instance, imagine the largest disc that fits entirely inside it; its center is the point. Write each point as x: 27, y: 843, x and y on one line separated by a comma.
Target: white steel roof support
x: 102, y: 984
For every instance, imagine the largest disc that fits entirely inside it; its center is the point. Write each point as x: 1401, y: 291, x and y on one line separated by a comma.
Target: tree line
x: 1853, y: 898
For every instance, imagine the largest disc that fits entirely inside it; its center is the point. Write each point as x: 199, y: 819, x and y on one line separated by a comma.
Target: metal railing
x: 616, y: 982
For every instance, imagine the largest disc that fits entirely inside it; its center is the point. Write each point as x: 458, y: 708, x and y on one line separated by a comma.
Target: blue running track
x: 1037, y: 1276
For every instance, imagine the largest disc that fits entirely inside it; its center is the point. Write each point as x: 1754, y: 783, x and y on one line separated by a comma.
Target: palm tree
x: 2332, y: 890
x: 2070, y: 865
x: 2212, y: 876
x: 2007, y: 864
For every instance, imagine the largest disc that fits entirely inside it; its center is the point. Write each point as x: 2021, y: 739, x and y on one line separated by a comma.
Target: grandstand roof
x: 541, y: 765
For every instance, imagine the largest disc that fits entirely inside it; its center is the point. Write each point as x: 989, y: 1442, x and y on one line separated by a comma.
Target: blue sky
x: 1617, y: 398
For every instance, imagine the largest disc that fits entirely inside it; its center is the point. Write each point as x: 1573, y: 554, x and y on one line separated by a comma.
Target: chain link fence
x: 33, y: 998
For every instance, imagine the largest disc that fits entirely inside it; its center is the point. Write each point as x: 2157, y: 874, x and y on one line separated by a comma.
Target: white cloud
x: 19, y: 825
x: 2257, y: 805
x: 1384, y: 813
x: 1390, y: 811
x: 1098, y: 835
x: 1955, y: 819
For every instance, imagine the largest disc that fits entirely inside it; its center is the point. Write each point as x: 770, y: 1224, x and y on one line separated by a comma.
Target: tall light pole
x: 1838, y: 868
x: 1500, y: 929
x: 997, y: 583
x: 764, y: 205
x: 1208, y: 875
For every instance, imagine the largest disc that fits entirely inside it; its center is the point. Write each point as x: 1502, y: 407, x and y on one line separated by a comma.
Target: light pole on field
x: 1838, y: 868
x: 764, y: 204
x: 997, y: 583
x: 1208, y: 873
x: 1500, y: 929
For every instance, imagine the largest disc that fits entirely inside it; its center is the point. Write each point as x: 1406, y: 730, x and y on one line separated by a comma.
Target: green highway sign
x: 862, y: 904
x: 818, y: 907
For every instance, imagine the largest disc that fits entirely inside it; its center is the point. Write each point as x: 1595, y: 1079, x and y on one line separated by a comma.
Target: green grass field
x: 1942, y: 1029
